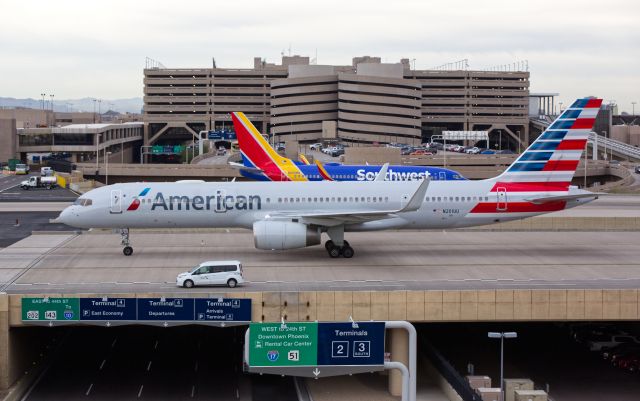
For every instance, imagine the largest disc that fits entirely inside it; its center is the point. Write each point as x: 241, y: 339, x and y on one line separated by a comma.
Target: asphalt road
x: 10, y: 191
x: 411, y: 260
x: 542, y: 352
x: 138, y: 362
x: 15, y: 226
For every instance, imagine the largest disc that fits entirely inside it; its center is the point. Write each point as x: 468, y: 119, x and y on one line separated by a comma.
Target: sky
x: 76, y: 49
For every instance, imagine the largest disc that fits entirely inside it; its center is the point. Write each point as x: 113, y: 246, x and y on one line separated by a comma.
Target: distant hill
x: 132, y: 105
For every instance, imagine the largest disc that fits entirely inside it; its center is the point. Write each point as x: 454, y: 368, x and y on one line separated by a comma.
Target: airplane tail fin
x: 552, y: 160
x: 260, y: 154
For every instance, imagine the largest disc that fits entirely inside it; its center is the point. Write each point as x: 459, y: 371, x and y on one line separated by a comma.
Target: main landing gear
x: 124, y: 235
x: 336, y: 251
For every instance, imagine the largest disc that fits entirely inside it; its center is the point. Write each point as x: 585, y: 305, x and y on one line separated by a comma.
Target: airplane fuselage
x: 167, y: 205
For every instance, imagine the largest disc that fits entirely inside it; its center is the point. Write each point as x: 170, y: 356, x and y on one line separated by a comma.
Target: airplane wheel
x: 188, y: 284
x: 127, y: 251
x: 334, y: 252
x: 347, y: 251
x: 328, y: 245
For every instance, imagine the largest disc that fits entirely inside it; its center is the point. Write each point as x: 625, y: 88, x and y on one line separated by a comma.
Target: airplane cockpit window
x: 83, y: 202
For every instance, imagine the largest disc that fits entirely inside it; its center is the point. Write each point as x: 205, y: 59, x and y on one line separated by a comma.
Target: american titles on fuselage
x: 220, y: 202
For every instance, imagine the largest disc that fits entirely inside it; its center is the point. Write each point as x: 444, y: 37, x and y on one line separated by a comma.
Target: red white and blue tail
x: 553, y: 158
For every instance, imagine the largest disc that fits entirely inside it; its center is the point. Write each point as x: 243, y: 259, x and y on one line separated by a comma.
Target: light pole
x: 43, y: 95
x: 99, y: 112
x: 51, y: 102
x: 633, y: 108
x: 606, y: 145
x: 106, y: 167
x: 97, y: 153
x: 502, y: 336
x: 94, y: 110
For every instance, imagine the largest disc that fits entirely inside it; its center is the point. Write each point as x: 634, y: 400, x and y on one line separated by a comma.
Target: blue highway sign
x: 342, y: 344
x: 223, y: 309
x: 167, y: 309
x: 110, y: 309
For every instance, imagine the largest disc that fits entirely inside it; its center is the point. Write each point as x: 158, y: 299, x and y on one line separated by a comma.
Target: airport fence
x: 448, y: 372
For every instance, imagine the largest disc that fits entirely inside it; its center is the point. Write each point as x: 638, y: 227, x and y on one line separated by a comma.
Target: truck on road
x: 39, y: 182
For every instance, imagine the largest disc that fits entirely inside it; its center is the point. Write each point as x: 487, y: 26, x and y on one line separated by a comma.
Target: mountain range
x: 131, y: 105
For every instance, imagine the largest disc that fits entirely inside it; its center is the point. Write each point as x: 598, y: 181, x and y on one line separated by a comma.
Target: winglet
x: 416, y: 200
x: 382, y: 174
x: 325, y: 175
x: 303, y: 159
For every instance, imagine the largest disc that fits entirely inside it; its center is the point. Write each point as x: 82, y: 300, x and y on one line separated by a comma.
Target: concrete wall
x: 8, y: 139
x: 372, y: 155
x: 427, y: 306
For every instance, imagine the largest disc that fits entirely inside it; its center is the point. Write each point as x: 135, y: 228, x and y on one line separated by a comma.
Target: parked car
x: 406, y: 150
x: 221, y: 151
x: 604, y: 342
x: 616, y: 353
x: 506, y: 152
x: 628, y: 362
x: 315, y: 146
x: 225, y: 272
x: 435, y: 145
x: 336, y: 152
x: 22, y: 168
x: 488, y: 152
x: 472, y: 151
x: 46, y: 171
x: 420, y: 152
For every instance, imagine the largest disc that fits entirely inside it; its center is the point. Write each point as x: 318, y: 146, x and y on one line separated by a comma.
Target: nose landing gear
x: 124, y: 235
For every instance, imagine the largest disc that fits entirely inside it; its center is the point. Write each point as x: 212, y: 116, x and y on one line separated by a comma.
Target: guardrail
x: 621, y: 148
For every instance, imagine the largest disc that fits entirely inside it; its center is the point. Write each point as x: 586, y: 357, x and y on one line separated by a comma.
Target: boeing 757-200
x: 287, y: 215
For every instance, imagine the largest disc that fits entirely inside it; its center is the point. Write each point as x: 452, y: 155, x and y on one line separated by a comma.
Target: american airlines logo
x: 220, y: 202
x: 362, y: 175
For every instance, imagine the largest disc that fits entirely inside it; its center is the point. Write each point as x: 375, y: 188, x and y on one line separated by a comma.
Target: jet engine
x: 284, y: 235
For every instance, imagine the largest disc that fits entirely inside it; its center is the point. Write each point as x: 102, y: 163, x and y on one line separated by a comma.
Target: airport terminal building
x: 367, y: 101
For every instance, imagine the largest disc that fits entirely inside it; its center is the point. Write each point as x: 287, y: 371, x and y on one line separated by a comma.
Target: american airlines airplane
x: 287, y: 215
x: 262, y: 163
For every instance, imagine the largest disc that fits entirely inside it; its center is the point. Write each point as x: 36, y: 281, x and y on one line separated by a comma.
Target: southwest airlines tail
x: 256, y: 151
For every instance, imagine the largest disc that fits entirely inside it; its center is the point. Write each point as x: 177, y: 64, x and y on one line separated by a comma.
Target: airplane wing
x: 333, y: 218
x: 540, y: 201
x: 240, y: 166
x: 382, y: 174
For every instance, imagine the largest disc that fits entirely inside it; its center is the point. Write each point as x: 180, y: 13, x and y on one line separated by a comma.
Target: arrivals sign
x: 327, y: 348
x: 141, y: 310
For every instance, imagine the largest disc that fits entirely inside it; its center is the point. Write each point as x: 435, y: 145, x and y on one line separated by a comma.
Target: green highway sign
x: 50, y: 309
x: 274, y: 344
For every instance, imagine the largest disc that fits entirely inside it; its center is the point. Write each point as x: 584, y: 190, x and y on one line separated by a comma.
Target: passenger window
x: 230, y: 268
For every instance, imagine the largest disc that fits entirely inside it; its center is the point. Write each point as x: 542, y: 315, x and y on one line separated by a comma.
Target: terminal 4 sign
x: 327, y: 348
x: 155, y: 311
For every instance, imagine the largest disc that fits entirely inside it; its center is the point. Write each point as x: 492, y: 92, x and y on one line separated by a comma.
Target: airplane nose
x: 64, y: 217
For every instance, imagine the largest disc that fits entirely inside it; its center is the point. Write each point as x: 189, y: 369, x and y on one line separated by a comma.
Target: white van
x: 223, y: 272
x: 46, y: 171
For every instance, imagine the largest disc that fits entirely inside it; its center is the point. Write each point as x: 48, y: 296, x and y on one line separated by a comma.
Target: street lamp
x: 633, y: 108
x: 51, y: 102
x: 43, y: 95
x: 502, y: 336
x: 106, y: 168
x: 606, y: 145
x: 97, y: 154
x: 94, y: 110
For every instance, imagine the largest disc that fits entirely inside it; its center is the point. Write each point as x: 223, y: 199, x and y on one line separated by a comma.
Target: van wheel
x: 128, y: 251
x: 187, y: 284
x: 232, y: 283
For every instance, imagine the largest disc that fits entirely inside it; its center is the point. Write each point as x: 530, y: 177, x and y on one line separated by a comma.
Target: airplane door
x: 502, y: 199
x: 442, y: 176
x: 116, y: 201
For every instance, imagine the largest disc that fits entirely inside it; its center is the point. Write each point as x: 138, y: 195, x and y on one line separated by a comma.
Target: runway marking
x: 149, y: 366
x: 237, y: 393
x: 113, y: 344
x: 156, y: 345
x: 89, y: 389
x: 193, y: 390
x: 195, y: 368
x: 140, y: 391
x: 102, y: 364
